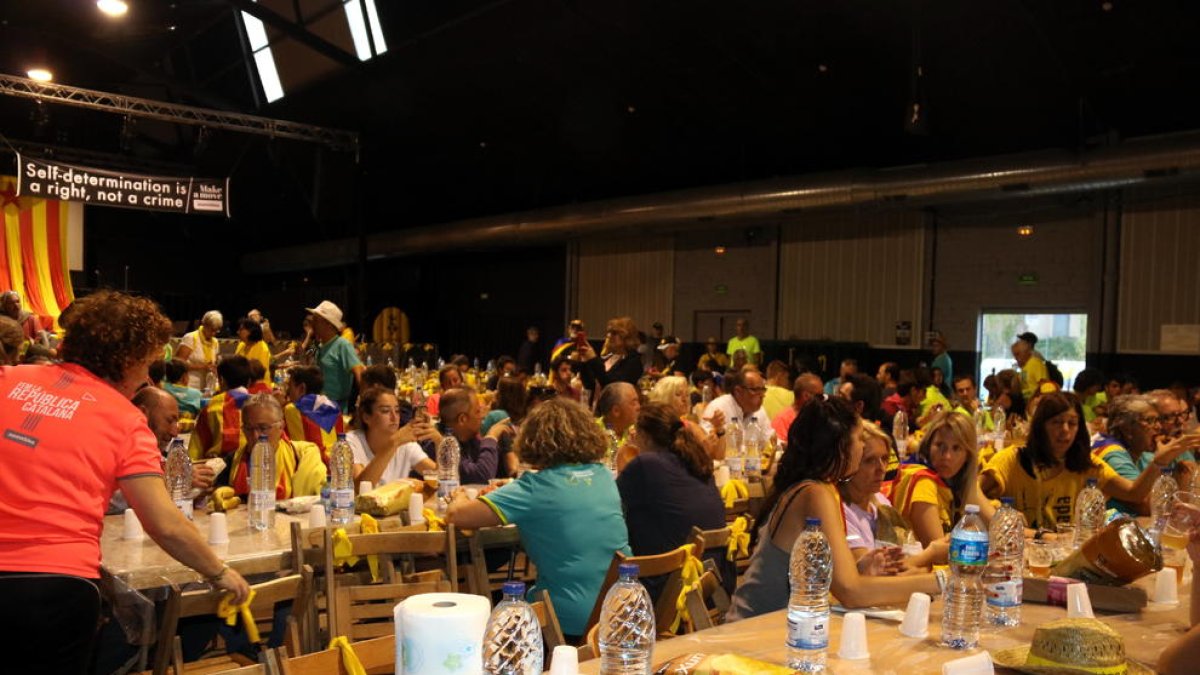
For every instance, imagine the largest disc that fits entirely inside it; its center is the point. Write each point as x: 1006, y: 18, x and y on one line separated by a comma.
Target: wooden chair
x: 707, y: 604
x: 377, y: 656
x: 740, y: 507
x: 479, y: 542
x: 668, y: 564
x: 356, y: 608
x: 180, y: 605
x: 590, y: 649
x: 552, y: 633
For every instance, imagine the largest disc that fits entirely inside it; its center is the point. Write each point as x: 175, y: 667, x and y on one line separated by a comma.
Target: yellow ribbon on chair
x: 690, y: 576
x: 349, y: 657
x: 343, y: 550
x: 227, y: 610
x: 739, y: 539
x: 369, y: 525
x: 433, y: 522
x: 734, y: 490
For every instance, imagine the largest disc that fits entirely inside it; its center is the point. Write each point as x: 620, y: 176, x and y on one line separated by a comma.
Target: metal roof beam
x: 297, y: 32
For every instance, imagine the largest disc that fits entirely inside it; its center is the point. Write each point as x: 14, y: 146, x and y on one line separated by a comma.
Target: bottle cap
x: 1091, y: 482
x: 628, y: 569
x: 1168, y: 469
x: 812, y: 522
x: 971, y: 508
x: 514, y: 588
x: 262, y: 438
x: 1007, y: 501
x: 341, y: 437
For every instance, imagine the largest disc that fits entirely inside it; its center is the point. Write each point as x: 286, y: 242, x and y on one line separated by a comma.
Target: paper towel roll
x: 441, y: 634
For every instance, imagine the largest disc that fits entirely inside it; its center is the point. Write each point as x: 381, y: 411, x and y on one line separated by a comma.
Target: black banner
x: 66, y: 182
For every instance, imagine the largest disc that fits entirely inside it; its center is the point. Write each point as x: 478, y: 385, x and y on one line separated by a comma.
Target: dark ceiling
x: 488, y: 107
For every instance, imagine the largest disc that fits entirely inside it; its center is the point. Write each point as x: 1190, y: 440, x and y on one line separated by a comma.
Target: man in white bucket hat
x: 335, y: 356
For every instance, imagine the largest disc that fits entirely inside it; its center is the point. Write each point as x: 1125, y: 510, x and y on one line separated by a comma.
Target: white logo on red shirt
x: 38, y: 402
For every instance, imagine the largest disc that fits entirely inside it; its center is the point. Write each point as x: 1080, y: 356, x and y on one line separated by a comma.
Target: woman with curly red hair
x: 69, y: 437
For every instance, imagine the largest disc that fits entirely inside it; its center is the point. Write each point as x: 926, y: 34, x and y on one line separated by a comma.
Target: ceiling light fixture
x: 1025, y: 231
x: 719, y: 250
x: 113, y: 8
x: 40, y: 74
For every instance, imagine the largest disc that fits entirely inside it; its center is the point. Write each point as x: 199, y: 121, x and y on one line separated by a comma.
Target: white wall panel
x: 625, y: 275
x: 1159, y: 270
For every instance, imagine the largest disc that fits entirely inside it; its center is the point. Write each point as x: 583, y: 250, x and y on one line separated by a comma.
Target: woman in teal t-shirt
x: 568, y: 512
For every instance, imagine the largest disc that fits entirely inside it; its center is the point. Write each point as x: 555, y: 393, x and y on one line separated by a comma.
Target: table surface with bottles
x: 1145, y: 633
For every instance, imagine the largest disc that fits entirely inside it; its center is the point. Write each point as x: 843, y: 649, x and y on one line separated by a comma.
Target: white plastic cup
x: 564, y: 660
x: 916, y: 616
x: 218, y: 529
x: 365, y: 487
x: 472, y: 493
x: 416, y: 504
x: 721, y: 475
x: 133, y: 526
x: 854, y: 637
x: 976, y: 664
x: 1079, y: 603
x: 1166, y: 591
x: 316, y: 516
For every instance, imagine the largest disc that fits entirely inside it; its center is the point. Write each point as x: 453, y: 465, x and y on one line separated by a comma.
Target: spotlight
x: 113, y: 8
x: 719, y: 250
x: 1025, y: 231
x: 40, y: 74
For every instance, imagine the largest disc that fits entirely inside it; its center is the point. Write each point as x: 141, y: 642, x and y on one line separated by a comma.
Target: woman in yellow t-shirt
x: 252, y: 345
x: 1045, y: 475
x: 932, y: 496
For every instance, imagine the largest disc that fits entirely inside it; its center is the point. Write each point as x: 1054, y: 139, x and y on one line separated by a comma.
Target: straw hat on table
x: 1072, y: 647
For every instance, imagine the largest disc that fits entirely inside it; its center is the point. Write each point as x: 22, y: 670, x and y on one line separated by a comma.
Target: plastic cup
x: 1079, y: 604
x: 1166, y: 588
x: 916, y: 617
x: 133, y: 526
x: 564, y: 661
x: 976, y: 664
x: 854, y: 637
x: 218, y: 529
x: 472, y: 493
x: 316, y: 517
x: 721, y: 476
x: 365, y: 487
x: 416, y: 504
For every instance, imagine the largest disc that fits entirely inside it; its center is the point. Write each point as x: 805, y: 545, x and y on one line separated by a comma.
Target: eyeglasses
x: 756, y: 390
x: 1150, y: 421
x: 264, y: 428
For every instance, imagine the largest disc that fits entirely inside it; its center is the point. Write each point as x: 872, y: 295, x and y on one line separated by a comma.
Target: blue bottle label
x: 808, y: 632
x: 969, y: 548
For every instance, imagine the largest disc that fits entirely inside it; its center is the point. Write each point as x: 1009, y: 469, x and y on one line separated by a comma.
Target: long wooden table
x: 1146, y: 634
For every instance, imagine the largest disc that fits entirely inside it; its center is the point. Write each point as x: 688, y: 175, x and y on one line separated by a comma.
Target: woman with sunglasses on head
x: 618, y: 360
x: 825, y: 447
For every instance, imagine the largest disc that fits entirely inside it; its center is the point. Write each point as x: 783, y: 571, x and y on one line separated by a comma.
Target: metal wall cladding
x: 625, y: 275
x: 851, y: 276
x: 1159, y: 280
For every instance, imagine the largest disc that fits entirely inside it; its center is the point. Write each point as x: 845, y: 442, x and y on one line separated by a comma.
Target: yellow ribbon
x: 690, y: 576
x: 369, y: 525
x: 349, y: 658
x: 227, y: 610
x: 1121, y: 669
x: 739, y: 539
x: 734, y: 490
x: 432, y: 522
x: 343, y: 550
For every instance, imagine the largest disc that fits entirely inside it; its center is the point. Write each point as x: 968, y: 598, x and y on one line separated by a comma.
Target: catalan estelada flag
x: 33, y: 251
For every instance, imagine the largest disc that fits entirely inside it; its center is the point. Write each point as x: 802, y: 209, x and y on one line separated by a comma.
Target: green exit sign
x: 721, y: 289
x: 1027, y: 279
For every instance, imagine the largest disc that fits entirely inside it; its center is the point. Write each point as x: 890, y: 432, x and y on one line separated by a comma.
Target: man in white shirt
x: 742, y: 405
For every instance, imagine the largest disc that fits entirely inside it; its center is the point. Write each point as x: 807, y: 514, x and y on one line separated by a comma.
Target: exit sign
x: 1028, y: 279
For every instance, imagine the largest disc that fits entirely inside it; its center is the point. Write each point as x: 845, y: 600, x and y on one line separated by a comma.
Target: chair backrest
x: 364, y: 610
x: 669, y: 564
x: 706, y: 539
x: 378, y: 657
x: 547, y: 618
x: 708, y: 602
x: 180, y: 605
x: 478, y: 542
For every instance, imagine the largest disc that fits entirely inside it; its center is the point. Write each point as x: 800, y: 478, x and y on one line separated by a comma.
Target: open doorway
x: 1062, y: 338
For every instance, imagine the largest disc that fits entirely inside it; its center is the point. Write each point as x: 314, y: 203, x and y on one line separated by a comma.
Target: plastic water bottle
x: 626, y: 630
x: 341, y: 489
x: 735, y: 454
x: 512, y: 644
x: 1089, y: 512
x: 262, y: 485
x: 448, y: 456
x: 706, y: 395
x: 810, y: 573
x: 900, y: 433
x: 753, y: 453
x: 983, y: 437
x: 964, y: 593
x: 210, y: 384
x: 999, y: 421
x: 179, y: 476
x: 614, y: 448
x: 1162, y: 498
x: 1006, y: 557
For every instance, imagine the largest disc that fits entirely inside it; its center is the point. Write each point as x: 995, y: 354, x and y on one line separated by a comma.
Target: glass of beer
x: 1040, y: 556
x: 1181, y: 521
